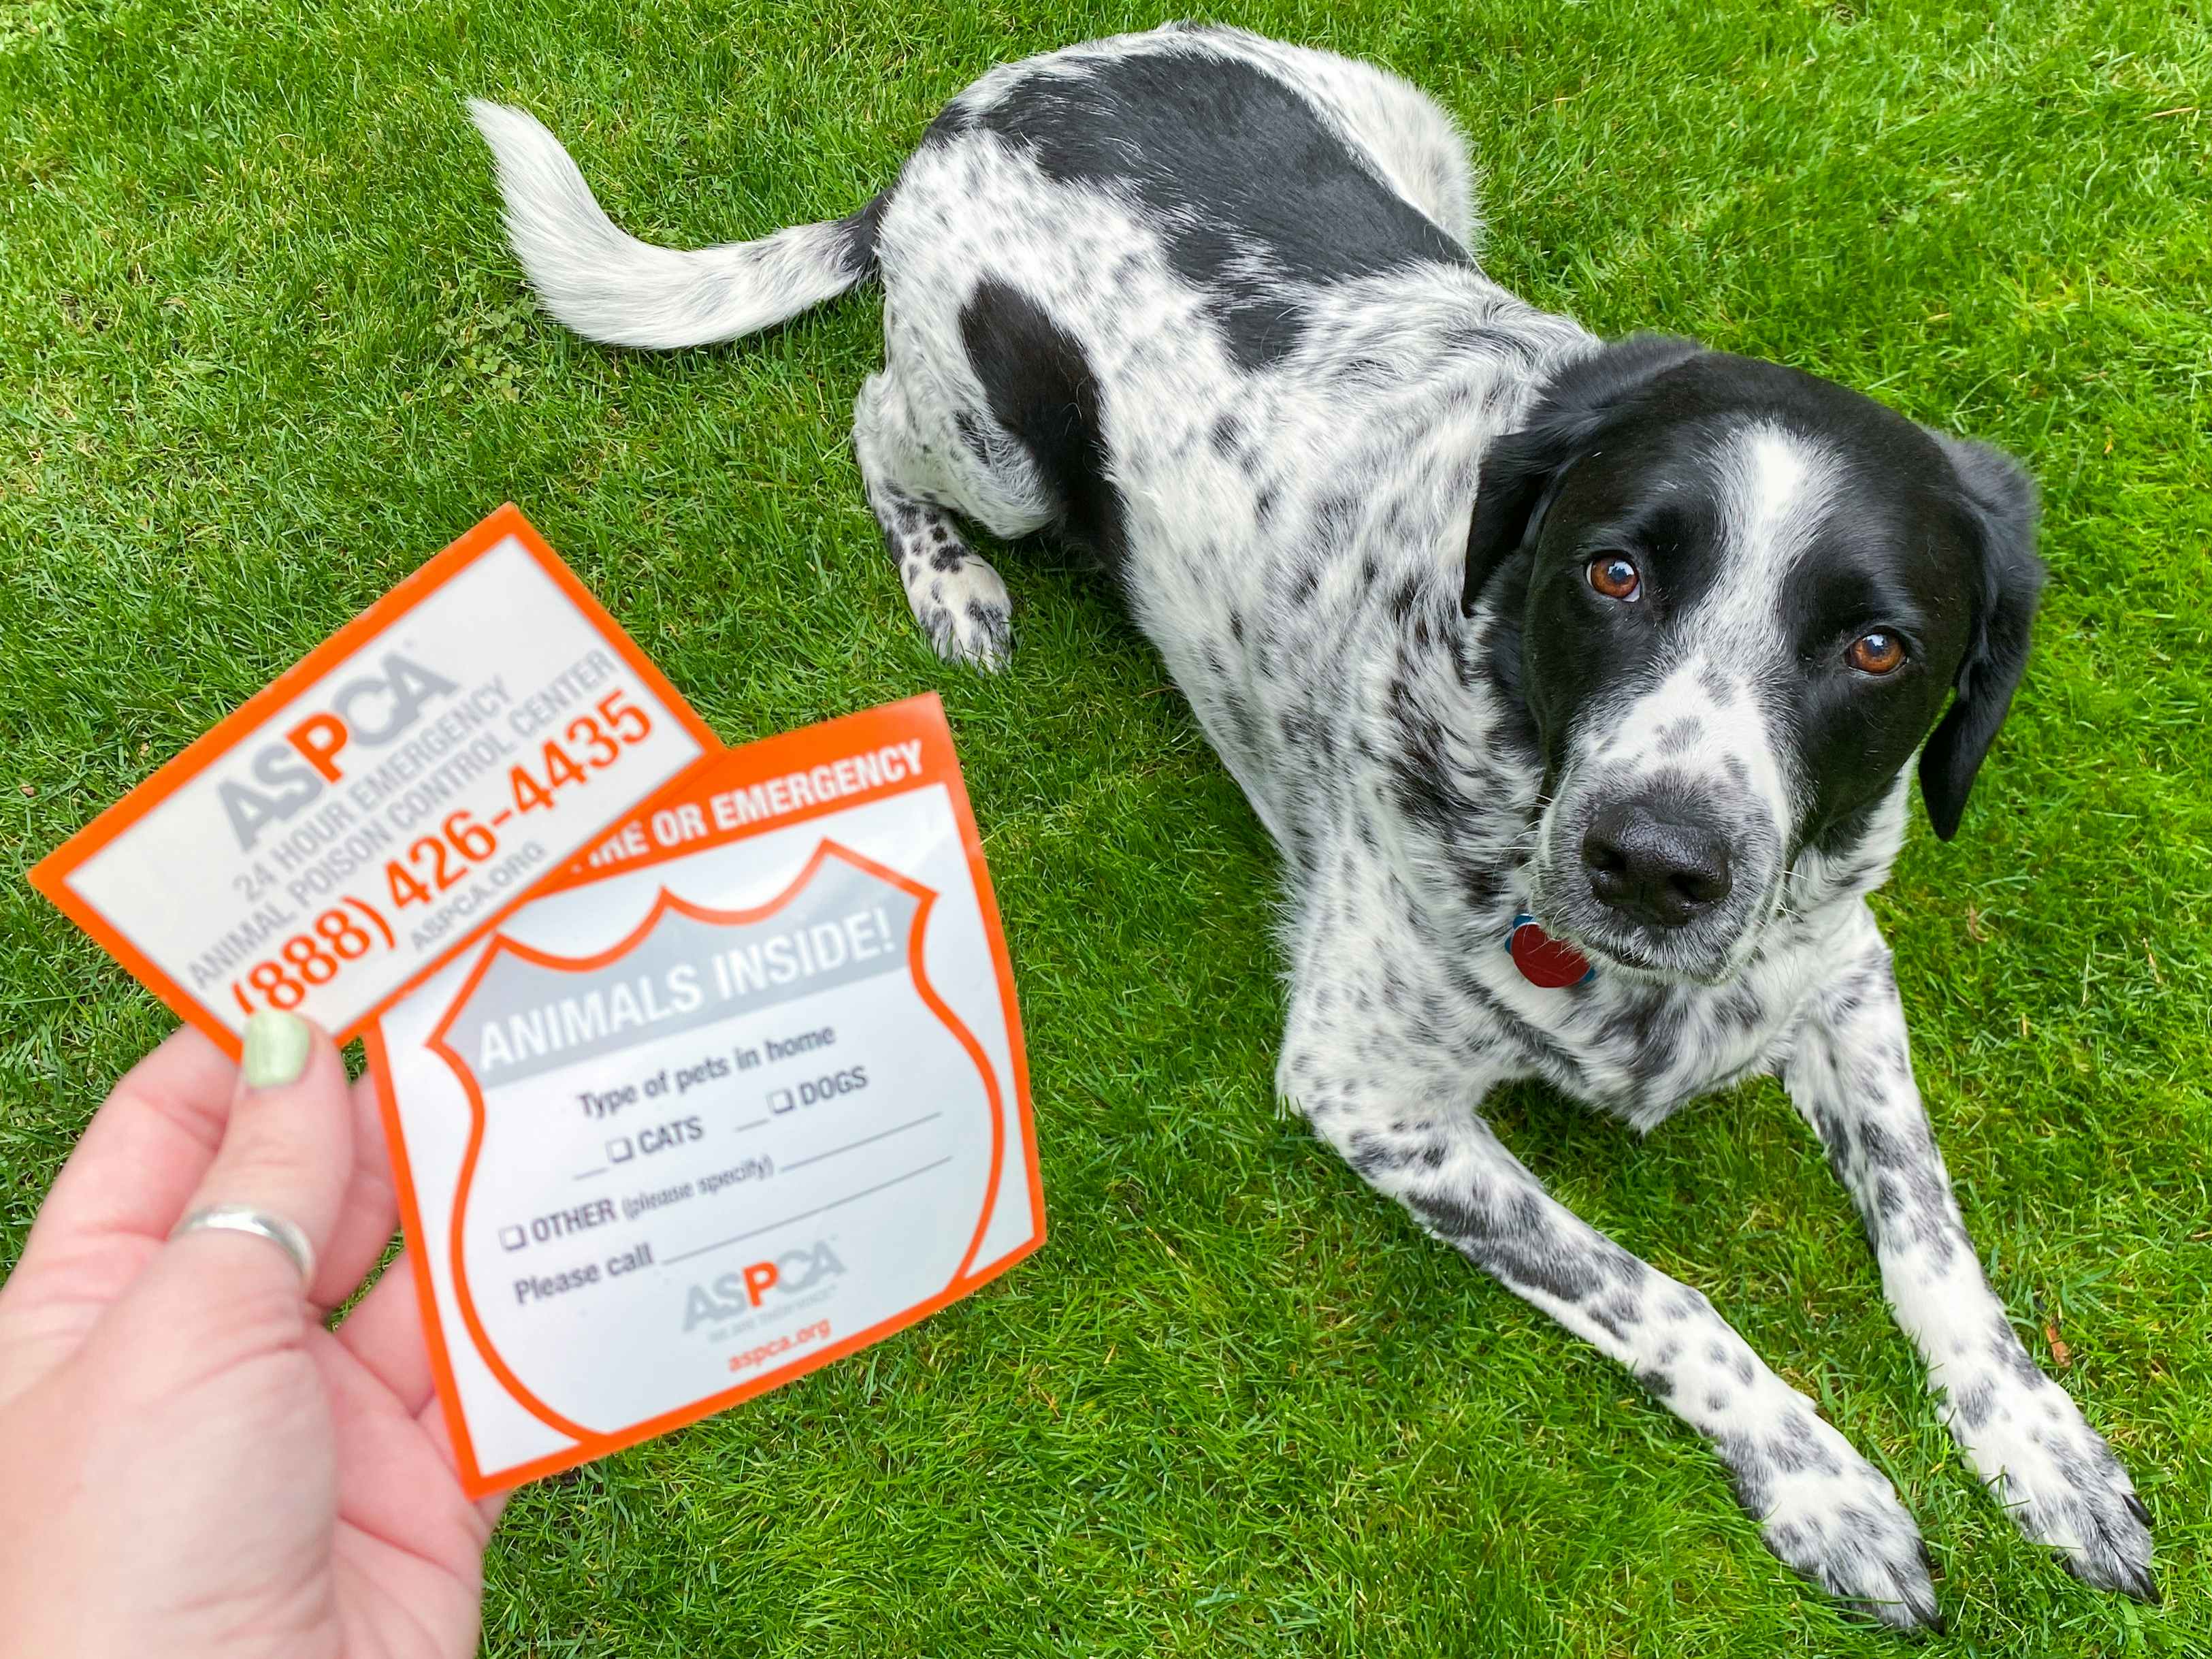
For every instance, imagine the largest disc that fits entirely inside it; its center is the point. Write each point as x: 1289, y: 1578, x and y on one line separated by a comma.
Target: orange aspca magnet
x: 741, y: 1089
x: 386, y: 800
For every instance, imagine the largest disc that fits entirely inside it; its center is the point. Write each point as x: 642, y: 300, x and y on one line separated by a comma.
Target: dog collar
x: 1543, y: 960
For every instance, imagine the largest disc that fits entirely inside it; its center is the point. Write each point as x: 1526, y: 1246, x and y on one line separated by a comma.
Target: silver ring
x: 245, y: 1218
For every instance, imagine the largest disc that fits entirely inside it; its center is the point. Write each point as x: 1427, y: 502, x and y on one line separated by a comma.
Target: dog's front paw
x: 1834, y: 1517
x: 2058, y: 1478
x: 966, y: 613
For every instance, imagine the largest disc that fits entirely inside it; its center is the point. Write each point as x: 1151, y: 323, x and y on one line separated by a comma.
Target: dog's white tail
x: 609, y: 286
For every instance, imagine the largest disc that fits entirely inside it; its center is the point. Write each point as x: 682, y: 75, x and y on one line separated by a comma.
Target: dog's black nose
x: 1656, y: 869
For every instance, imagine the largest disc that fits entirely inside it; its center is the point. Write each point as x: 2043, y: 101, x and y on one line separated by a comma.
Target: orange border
x: 51, y: 874
x: 596, y: 1442
x: 921, y: 719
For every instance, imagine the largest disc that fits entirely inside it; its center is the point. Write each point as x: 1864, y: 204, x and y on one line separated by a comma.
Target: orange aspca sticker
x: 741, y: 1090
x: 386, y: 800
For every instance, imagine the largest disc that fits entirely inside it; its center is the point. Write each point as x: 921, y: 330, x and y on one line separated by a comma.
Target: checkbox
x: 512, y: 1239
x: 779, y: 1100
x: 618, y: 1149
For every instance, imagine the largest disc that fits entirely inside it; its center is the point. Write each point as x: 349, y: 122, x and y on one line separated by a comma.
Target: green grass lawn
x: 262, y: 351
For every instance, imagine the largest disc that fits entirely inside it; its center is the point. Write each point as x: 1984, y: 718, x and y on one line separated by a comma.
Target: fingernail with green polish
x: 276, y: 1046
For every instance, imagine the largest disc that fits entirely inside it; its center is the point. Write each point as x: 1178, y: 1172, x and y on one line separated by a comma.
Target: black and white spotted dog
x: 1577, y: 682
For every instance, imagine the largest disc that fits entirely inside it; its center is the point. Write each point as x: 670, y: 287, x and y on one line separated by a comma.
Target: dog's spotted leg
x: 955, y: 595
x: 1821, y: 1507
x: 1851, y: 1076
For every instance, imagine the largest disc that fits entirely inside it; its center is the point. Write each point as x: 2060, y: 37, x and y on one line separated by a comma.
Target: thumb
x: 287, y: 1153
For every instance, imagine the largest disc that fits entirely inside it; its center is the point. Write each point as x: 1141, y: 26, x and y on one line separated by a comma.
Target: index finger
x: 114, y: 1201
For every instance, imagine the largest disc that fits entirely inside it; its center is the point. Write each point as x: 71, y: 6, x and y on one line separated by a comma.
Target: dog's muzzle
x: 1652, y: 866
x: 1657, y: 879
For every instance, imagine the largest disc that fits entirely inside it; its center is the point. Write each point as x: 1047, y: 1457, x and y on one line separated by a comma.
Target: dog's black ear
x: 1566, y: 423
x: 1998, y: 499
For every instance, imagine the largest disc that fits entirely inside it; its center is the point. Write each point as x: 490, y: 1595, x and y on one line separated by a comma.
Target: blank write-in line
x: 866, y: 1140
x: 588, y: 1174
x: 739, y: 1238
x: 741, y: 1127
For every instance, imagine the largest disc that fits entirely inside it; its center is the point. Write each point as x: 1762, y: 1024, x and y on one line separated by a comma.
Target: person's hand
x: 190, y: 1462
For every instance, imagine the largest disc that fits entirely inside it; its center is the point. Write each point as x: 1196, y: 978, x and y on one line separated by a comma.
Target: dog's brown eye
x: 1876, y: 654
x: 1614, y: 577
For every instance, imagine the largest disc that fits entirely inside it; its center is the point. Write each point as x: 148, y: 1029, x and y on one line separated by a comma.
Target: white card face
x: 698, y: 1120
x: 388, y: 798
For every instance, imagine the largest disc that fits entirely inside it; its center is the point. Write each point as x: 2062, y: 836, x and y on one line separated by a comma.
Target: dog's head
x: 1743, y: 595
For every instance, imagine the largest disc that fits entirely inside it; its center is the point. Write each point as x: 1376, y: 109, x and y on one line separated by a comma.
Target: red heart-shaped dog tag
x: 1544, y: 960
